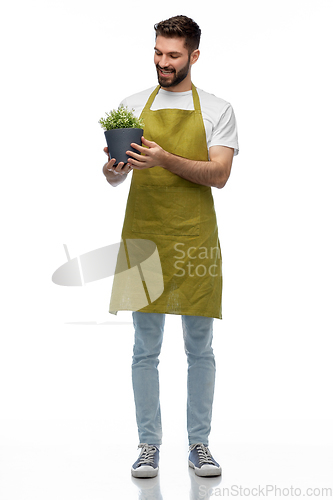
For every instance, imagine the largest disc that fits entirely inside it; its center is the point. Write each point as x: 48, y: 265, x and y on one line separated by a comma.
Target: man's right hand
x: 115, y: 174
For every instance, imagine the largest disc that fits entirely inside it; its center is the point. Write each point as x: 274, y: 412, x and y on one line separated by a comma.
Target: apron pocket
x: 167, y: 210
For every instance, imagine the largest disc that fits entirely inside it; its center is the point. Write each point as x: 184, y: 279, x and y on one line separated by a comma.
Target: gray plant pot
x: 119, y: 141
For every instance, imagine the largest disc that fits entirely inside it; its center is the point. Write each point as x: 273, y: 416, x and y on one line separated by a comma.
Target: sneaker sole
x: 144, y: 472
x: 211, y: 471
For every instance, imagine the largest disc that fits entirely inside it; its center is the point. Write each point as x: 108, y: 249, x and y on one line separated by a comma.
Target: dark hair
x: 182, y: 27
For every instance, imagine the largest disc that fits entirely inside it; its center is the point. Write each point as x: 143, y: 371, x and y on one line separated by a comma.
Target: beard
x: 174, y: 78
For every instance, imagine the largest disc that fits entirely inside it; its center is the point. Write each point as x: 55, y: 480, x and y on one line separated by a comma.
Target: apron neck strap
x: 151, y: 98
x: 196, y: 100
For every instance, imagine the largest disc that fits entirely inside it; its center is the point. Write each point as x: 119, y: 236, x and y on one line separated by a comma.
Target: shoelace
x: 147, y: 454
x: 205, y: 456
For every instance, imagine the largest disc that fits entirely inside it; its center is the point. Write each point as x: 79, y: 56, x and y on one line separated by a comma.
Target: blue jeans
x: 198, y: 335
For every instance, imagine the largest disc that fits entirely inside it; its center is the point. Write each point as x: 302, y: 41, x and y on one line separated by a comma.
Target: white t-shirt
x: 218, y: 115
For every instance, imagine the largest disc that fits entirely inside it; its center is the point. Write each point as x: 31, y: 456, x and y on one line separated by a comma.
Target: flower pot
x: 119, y: 141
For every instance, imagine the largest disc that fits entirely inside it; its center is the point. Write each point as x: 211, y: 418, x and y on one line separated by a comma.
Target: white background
x: 67, y: 416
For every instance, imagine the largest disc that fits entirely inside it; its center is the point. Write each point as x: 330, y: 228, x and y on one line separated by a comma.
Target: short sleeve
x: 225, y: 132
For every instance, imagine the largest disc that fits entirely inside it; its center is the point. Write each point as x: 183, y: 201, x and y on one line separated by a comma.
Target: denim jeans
x: 198, y: 334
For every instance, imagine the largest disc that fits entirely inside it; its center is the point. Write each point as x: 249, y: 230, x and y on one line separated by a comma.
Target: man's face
x: 172, y: 61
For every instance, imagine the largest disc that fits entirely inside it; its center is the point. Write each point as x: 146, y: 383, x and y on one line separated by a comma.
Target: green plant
x: 120, y: 118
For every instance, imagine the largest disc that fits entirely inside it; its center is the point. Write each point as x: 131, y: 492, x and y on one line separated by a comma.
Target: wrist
x: 166, y: 160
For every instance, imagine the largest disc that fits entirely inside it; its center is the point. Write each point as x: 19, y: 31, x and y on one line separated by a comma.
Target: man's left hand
x: 151, y: 156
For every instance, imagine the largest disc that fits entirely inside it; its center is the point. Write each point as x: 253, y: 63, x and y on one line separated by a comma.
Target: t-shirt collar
x: 167, y: 93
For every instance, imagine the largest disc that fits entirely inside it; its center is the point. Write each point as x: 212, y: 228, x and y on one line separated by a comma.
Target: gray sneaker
x: 147, y: 463
x: 201, y: 460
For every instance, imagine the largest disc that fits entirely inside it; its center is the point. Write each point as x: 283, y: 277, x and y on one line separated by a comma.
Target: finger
x: 119, y: 166
x: 150, y: 144
x: 136, y: 156
x: 111, y: 163
x: 132, y: 162
x: 139, y: 148
x: 106, y: 151
x: 108, y: 165
x: 127, y: 168
x: 137, y: 164
x: 123, y: 168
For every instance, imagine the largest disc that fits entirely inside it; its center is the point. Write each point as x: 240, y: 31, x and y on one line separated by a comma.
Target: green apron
x: 178, y: 216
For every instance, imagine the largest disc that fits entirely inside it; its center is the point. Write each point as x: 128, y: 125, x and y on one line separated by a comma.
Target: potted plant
x: 121, y: 129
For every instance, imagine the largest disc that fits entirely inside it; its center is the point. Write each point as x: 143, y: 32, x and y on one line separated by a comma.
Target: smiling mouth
x: 165, y: 73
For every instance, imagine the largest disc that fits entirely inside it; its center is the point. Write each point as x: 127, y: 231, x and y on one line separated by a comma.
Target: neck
x: 183, y: 86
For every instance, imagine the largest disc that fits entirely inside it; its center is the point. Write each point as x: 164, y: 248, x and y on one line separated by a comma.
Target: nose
x: 164, y: 62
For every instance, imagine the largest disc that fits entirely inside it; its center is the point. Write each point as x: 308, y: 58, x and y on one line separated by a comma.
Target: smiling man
x: 190, y: 139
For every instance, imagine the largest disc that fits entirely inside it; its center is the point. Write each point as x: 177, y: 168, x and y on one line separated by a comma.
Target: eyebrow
x: 173, y: 52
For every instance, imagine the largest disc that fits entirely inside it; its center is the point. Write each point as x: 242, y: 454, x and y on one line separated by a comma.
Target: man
x: 189, y: 141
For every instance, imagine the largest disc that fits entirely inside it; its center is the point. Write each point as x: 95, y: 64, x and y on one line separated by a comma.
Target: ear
x: 195, y: 56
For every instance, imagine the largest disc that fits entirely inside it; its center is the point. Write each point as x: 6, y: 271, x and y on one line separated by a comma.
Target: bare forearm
x: 206, y: 173
x: 214, y: 173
